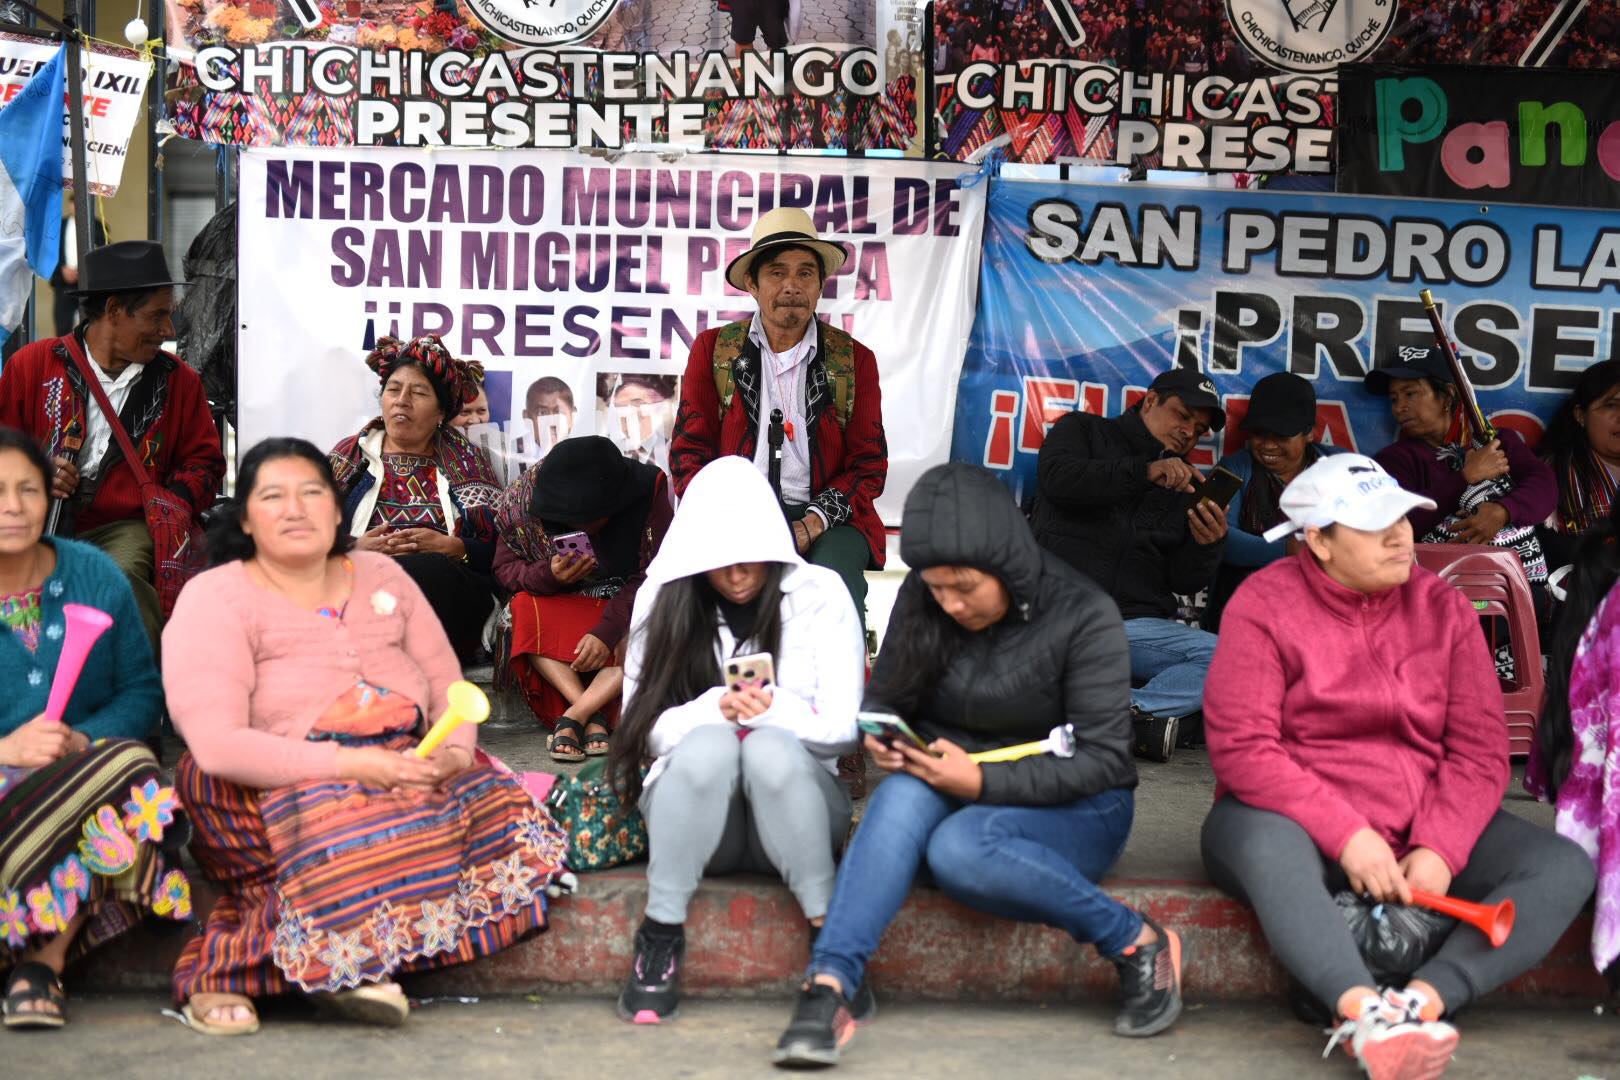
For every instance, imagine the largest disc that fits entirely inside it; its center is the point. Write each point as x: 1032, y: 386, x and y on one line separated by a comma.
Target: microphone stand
x: 774, y: 460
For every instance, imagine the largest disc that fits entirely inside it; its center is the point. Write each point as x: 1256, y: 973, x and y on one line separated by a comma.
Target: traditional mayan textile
x: 1589, y: 799
x: 409, y: 496
x: 330, y: 884
x: 21, y: 613
x: 465, y: 468
x: 1520, y: 538
x: 1585, y: 492
x: 82, y: 833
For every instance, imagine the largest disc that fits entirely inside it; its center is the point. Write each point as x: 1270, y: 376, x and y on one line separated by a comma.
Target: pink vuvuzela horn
x: 84, y: 626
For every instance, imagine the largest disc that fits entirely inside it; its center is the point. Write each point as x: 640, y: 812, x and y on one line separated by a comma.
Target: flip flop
x: 366, y: 1005
x: 197, y: 1009
x: 566, y: 733
x: 44, y: 985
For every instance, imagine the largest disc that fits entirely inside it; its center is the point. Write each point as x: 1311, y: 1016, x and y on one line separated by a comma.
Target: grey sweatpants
x: 726, y: 805
x: 1270, y: 862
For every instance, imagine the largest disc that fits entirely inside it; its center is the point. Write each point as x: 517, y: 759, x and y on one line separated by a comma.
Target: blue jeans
x: 1174, y: 659
x: 1030, y: 863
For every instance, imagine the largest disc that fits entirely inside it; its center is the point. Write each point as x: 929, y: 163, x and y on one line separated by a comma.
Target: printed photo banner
x: 1228, y: 85
x: 579, y: 285
x: 629, y: 74
x: 1090, y: 291
x: 114, y: 102
x: 1481, y: 133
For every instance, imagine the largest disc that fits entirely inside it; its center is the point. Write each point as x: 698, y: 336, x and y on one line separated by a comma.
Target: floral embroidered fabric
x: 21, y: 614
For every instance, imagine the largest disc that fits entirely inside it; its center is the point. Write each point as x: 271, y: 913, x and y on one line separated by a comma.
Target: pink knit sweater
x: 247, y: 673
x: 1342, y: 710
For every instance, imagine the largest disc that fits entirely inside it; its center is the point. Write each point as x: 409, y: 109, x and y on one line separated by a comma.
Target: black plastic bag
x: 1394, y: 939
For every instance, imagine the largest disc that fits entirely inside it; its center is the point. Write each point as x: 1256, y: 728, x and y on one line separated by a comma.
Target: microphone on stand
x: 774, y: 440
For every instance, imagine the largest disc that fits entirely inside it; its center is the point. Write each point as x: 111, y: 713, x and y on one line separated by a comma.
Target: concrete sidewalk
x: 565, y: 1038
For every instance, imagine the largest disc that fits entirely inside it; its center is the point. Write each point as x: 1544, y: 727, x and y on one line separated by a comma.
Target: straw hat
x: 779, y: 228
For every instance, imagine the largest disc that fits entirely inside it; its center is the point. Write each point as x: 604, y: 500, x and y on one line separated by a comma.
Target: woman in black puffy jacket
x: 993, y: 642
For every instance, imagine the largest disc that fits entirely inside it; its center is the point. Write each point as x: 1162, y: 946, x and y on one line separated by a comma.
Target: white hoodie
x: 729, y: 515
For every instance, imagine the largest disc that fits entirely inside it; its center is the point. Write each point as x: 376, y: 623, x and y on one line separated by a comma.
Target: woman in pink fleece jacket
x: 301, y: 676
x: 1356, y: 728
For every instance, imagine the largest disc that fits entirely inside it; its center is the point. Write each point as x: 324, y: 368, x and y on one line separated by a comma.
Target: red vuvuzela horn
x: 84, y: 626
x: 1495, y: 921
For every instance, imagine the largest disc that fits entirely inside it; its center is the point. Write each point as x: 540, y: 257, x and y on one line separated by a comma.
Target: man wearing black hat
x: 1115, y: 501
x: 1280, y: 420
x: 127, y: 296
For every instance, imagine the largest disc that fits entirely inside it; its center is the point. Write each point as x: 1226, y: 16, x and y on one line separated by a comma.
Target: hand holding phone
x: 891, y: 730
x: 1221, y: 488
x: 750, y: 681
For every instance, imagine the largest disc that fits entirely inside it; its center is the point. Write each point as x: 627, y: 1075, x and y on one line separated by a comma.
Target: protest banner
x: 580, y: 284
x: 614, y: 74
x: 114, y: 102
x: 1481, y: 133
x: 1090, y: 291
x: 1236, y: 86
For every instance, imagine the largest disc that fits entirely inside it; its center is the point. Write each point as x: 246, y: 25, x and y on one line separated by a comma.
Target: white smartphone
x: 757, y: 670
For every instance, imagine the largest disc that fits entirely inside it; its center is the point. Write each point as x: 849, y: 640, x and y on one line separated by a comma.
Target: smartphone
x: 574, y: 543
x: 1220, y: 488
x: 757, y: 671
x: 890, y: 729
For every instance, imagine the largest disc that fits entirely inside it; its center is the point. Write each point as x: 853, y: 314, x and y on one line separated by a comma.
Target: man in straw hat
x: 126, y: 294
x: 825, y: 383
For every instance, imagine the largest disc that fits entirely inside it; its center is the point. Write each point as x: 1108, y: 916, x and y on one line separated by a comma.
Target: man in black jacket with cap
x: 1115, y: 500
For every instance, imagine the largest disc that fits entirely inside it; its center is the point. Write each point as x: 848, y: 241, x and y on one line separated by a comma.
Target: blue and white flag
x: 31, y: 187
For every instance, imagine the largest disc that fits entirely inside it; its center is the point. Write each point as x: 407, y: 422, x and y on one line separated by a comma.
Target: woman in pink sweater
x: 300, y: 676
x: 1357, y: 732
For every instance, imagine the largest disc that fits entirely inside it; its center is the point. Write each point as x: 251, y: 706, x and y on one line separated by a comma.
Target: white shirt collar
x: 803, y: 350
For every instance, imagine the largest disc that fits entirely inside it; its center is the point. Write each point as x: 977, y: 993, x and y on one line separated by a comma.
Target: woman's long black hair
x: 918, y: 647
x: 679, y: 664
x: 226, y: 540
x: 1597, y: 567
x: 1566, y: 448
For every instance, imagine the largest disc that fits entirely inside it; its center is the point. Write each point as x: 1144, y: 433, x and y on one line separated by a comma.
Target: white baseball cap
x: 1347, y: 489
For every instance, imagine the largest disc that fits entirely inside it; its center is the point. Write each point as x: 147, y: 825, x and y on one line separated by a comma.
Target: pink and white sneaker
x: 1390, y: 1040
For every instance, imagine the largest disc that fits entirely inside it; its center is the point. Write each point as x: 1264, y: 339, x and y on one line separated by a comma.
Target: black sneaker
x: 821, y: 1026
x: 1155, y: 735
x: 863, y: 1006
x: 1149, y: 985
x: 652, y: 994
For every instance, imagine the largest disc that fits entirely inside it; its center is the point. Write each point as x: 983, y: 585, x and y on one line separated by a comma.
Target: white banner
x: 579, y: 284
x: 114, y: 95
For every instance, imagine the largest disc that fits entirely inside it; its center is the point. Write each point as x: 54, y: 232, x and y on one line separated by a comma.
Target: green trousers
x: 130, y: 546
x: 843, y: 550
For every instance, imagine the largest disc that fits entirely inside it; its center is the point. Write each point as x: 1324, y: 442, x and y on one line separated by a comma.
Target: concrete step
x: 746, y: 937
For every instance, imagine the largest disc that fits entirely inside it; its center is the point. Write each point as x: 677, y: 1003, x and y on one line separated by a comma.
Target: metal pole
x: 76, y: 129
x: 154, y: 174
x: 927, y: 96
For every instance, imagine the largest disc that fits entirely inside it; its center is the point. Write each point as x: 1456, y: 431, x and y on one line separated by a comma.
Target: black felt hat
x: 1282, y: 403
x: 586, y: 478
x: 124, y: 267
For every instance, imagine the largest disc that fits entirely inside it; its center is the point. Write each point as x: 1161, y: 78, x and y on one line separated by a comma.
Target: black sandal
x: 566, y: 733
x: 44, y: 985
x: 596, y: 743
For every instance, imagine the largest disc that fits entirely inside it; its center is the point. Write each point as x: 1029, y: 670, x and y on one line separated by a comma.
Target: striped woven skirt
x: 331, y: 884
x: 81, y: 837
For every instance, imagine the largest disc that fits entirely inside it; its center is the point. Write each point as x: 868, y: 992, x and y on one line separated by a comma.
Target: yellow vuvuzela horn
x: 1059, y: 744
x: 468, y: 705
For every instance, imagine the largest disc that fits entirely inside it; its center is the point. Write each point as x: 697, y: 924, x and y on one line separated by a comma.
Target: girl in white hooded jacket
x: 740, y: 780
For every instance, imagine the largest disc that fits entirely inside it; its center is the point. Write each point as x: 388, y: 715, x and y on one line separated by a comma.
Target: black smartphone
x: 1220, y: 488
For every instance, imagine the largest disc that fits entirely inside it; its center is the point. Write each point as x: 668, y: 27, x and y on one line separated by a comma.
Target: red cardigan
x: 1342, y: 710
x: 848, y: 465
x: 42, y: 393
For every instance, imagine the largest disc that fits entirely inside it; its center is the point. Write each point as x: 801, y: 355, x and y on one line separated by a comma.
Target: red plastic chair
x: 1493, y: 580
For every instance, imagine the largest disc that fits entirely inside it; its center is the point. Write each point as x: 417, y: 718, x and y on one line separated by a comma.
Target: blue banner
x: 1087, y: 292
